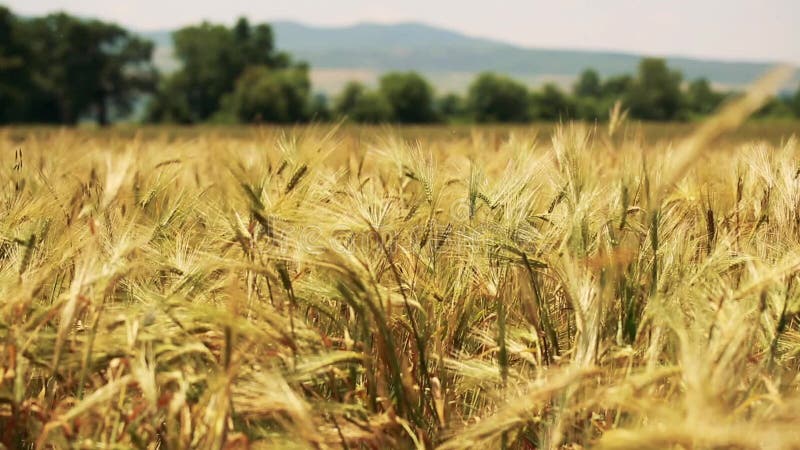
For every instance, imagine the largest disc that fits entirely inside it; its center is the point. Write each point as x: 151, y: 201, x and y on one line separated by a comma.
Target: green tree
x: 348, y: 98
x: 776, y: 108
x: 256, y: 45
x: 15, y: 76
x: 410, y: 97
x: 656, y: 92
x: 495, y: 98
x: 616, y: 87
x: 270, y: 95
x: 86, y: 66
x: 362, y: 105
x: 170, y: 104
x: 550, y: 103
x: 210, y: 66
x: 592, y: 109
x: 318, y: 108
x: 701, y: 98
x: 588, y: 85
x: 212, y: 58
x: 796, y: 103
x: 451, y: 107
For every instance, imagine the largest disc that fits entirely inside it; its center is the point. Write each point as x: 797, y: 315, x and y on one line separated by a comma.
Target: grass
x: 358, y: 288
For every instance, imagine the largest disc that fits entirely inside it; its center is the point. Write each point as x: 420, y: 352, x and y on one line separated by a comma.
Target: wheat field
x: 309, y: 288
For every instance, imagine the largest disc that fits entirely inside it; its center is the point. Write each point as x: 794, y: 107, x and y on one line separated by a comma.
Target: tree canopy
x: 410, y: 97
x: 72, y: 68
x: 550, y: 103
x: 213, y: 57
x: 359, y: 104
x: 270, y: 95
x: 496, y: 98
x: 655, y: 93
x: 588, y: 84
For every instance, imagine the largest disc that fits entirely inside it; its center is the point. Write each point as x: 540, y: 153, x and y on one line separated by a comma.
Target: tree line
x: 62, y: 69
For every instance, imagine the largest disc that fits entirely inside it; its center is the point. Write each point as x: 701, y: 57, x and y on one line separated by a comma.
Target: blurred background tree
x: 588, y: 85
x: 213, y: 58
x: 359, y: 104
x: 701, y: 98
x: 72, y: 68
x: 796, y: 103
x: 410, y: 97
x: 655, y: 93
x: 15, y: 73
x: 319, y: 108
x: 496, y: 98
x: 552, y: 104
x: 451, y: 107
x: 270, y: 95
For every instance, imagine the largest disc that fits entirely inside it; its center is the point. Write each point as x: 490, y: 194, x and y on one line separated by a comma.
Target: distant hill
x: 451, y: 59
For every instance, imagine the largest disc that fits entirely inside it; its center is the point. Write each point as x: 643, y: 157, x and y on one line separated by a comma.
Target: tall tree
x: 212, y: 58
x: 15, y: 76
x: 656, y: 92
x: 88, y: 66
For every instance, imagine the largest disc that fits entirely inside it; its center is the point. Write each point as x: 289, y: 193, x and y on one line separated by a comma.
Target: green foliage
x: 796, y: 103
x: 15, y: 76
x: 551, y: 104
x: 656, y: 92
x: 701, y: 98
x: 319, y: 109
x: 410, y: 97
x: 451, y: 107
x: 270, y: 95
x: 588, y: 84
x: 361, y: 105
x: 496, y: 98
x: 213, y: 57
x: 14, y: 73
x: 89, y: 65
x: 776, y: 108
x: 210, y: 66
x: 592, y: 108
x: 616, y: 87
x: 169, y: 104
x: 71, y: 67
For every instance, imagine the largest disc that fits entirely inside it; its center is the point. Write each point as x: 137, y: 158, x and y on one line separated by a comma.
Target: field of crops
x: 566, y: 287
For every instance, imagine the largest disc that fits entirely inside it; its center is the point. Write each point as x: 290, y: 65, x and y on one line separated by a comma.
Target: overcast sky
x: 767, y: 30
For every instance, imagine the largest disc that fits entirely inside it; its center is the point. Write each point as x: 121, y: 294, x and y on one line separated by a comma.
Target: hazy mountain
x: 451, y: 59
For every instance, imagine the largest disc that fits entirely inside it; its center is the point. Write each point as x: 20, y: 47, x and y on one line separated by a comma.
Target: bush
x: 269, y: 95
x: 495, y: 98
x: 552, y: 104
x: 364, y: 106
x: 410, y: 97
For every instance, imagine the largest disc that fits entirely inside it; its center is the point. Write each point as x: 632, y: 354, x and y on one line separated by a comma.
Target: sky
x: 753, y: 30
